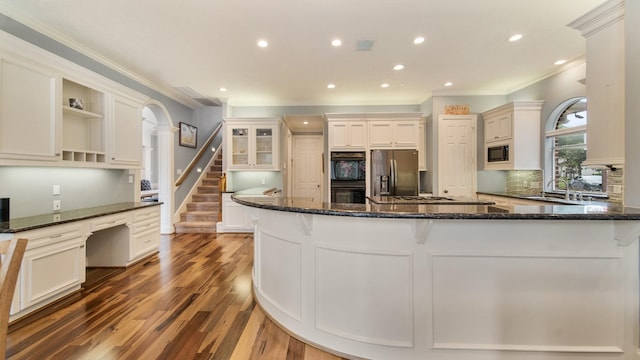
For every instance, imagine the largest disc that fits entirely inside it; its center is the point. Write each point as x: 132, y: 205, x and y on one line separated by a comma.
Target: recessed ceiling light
x: 515, y: 37
x: 384, y: 85
x: 336, y: 42
x: 398, y: 67
x: 560, y: 62
x: 305, y: 123
x: 263, y: 43
x: 448, y: 83
x: 418, y: 40
x: 331, y: 86
x: 223, y: 89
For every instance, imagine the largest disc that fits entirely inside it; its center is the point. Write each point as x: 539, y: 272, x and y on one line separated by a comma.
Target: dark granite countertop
x: 548, y: 198
x: 44, y: 220
x: 412, y: 211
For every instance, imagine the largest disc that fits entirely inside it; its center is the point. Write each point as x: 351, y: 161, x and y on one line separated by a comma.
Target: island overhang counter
x: 450, y: 282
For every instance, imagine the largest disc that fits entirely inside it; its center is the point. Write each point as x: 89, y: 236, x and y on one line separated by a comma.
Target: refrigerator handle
x: 392, y: 177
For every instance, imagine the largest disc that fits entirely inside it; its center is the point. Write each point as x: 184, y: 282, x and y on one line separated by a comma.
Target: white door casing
x: 306, y: 165
x: 457, y: 160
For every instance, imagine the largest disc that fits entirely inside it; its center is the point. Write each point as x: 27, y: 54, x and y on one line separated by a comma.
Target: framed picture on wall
x: 188, y: 135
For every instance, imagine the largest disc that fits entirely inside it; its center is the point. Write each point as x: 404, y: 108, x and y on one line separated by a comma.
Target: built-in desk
x: 62, y: 245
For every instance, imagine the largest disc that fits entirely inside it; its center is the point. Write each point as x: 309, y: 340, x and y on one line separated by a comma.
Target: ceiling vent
x: 364, y: 45
x: 206, y: 101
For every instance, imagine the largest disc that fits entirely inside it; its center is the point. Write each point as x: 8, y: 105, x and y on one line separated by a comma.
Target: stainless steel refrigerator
x: 394, y: 172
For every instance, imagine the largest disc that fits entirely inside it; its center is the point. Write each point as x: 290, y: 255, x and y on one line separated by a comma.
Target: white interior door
x: 457, y: 163
x: 306, y: 167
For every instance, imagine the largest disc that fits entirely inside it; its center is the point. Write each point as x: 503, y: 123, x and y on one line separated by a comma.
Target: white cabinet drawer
x: 108, y: 221
x: 146, y: 225
x: 144, y: 214
x: 52, y: 234
x: 145, y: 242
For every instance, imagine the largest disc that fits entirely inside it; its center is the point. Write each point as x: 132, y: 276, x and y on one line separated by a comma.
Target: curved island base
x: 418, y: 288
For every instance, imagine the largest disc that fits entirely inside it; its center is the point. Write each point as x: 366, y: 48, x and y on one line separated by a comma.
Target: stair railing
x: 199, y: 155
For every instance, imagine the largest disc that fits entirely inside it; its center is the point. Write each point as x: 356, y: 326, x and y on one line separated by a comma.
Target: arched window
x: 566, y: 143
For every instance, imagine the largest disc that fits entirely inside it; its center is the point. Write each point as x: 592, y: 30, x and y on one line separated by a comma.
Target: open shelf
x: 83, y: 127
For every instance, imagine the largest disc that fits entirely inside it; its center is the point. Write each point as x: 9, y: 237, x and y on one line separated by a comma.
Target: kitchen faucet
x: 566, y: 186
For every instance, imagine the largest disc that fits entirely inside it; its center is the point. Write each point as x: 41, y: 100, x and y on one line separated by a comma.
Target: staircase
x: 202, y: 212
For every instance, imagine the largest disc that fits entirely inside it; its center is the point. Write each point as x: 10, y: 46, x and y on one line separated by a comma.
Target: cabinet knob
x: 446, y: 191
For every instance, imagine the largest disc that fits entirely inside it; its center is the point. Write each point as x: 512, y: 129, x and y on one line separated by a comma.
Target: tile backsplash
x: 530, y: 182
x: 524, y: 182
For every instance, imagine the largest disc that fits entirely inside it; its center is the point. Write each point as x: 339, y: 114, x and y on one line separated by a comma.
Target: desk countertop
x: 44, y: 220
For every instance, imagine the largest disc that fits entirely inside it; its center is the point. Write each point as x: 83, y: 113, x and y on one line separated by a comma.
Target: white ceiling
x: 208, y: 44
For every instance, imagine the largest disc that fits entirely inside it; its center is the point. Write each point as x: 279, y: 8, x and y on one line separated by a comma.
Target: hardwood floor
x: 192, y: 301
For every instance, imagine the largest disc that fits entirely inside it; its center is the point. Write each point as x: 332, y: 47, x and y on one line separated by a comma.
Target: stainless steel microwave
x: 498, y: 153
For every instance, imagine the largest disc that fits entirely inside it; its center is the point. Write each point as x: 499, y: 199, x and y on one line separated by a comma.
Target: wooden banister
x: 199, y: 155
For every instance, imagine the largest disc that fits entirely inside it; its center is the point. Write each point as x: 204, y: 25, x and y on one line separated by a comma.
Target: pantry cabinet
x: 29, y: 112
x: 603, y: 29
x: 252, y: 144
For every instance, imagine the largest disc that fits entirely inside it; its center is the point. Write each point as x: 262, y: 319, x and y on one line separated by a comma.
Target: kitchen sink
x: 553, y: 199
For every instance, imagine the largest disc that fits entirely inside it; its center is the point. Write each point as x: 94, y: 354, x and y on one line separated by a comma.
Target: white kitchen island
x: 450, y: 282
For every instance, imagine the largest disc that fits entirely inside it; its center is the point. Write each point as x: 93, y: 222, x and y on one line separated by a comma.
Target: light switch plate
x: 56, y: 189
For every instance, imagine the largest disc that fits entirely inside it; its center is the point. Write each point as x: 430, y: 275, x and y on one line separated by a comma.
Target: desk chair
x: 12, y: 251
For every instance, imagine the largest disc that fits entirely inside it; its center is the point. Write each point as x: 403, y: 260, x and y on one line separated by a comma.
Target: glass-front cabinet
x: 252, y: 144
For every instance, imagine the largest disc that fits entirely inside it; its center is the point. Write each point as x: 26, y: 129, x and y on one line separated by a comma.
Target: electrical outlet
x: 526, y: 184
x: 534, y: 184
x: 56, y: 205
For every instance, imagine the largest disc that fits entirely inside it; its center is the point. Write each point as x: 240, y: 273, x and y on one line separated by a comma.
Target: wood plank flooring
x: 191, y: 301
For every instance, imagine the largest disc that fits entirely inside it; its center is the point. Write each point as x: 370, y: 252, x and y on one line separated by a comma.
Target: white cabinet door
x: 126, y: 133
x: 405, y: 134
x: 29, y: 111
x: 234, y: 216
x: 347, y: 135
x: 381, y: 134
x: 53, y: 264
x: 498, y: 127
x: 252, y: 145
x: 393, y: 134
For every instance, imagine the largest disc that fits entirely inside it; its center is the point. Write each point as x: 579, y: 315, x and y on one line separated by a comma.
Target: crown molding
x: 29, y: 21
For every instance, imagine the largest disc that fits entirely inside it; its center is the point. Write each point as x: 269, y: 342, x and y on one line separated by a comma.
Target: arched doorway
x: 158, y: 144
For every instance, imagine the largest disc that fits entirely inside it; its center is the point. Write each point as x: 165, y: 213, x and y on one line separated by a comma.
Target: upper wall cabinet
x: 126, y: 132
x: 514, y: 131
x: 347, y: 132
x: 61, y: 114
x: 29, y: 115
x: 393, y: 131
x: 603, y: 29
x: 252, y: 144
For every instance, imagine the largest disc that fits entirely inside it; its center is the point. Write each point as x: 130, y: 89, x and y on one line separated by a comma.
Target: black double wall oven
x: 348, y: 177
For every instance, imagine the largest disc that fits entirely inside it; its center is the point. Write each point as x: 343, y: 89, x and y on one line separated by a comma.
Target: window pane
x: 570, y: 150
